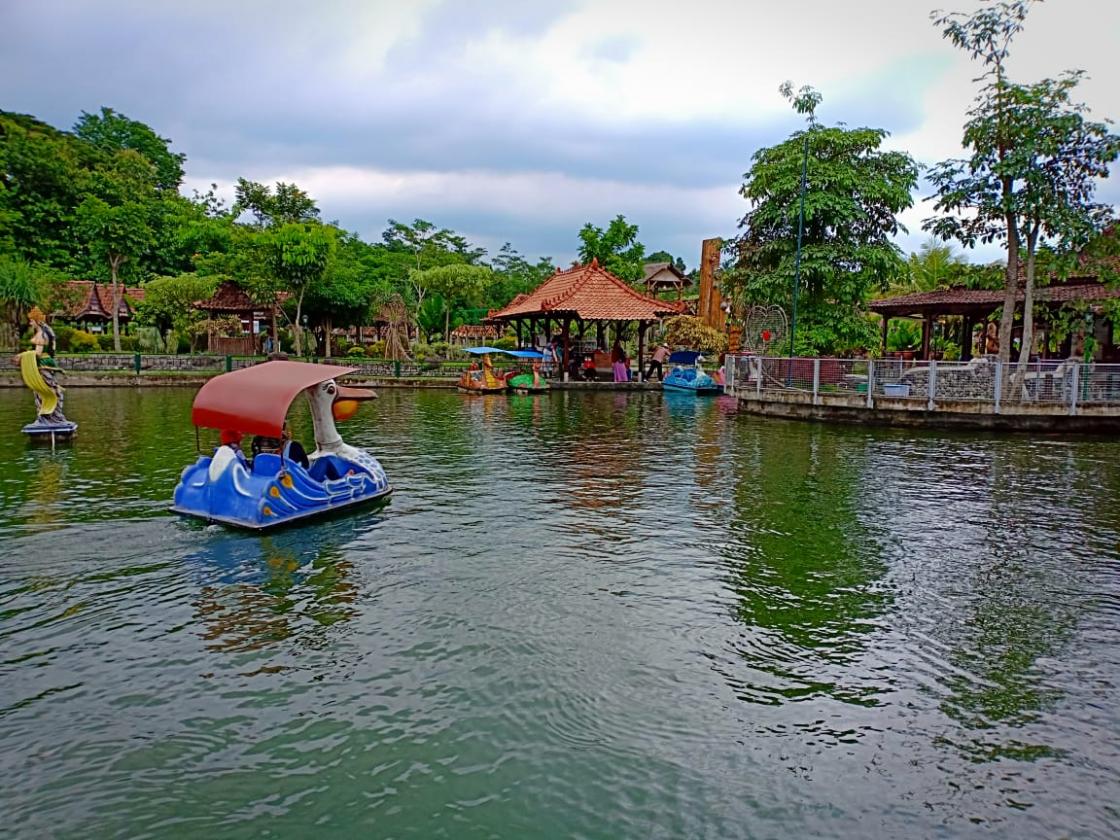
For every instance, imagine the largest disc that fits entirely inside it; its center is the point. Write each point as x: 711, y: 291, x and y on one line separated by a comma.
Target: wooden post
x: 520, y: 344
x: 709, y: 262
x: 883, y: 347
x: 641, y: 348
x: 926, y: 330
x: 565, y: 332
x: 966, y: 337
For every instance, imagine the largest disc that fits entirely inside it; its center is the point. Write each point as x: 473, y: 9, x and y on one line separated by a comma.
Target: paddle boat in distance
x: 688, y: 376
x: 274, y: 490
x: 530, y: 382
x: 482, y: 380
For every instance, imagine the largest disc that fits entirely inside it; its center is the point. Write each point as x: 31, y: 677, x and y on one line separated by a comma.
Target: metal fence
x: 937, y: 384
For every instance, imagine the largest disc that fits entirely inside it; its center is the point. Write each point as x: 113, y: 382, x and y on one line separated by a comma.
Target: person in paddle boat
x: 285, y: 446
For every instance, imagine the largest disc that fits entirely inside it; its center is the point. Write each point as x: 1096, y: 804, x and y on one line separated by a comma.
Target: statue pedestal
x: 40, y: 431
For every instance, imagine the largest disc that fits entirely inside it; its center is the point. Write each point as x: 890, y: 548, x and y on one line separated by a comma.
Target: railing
x: 946, y: 386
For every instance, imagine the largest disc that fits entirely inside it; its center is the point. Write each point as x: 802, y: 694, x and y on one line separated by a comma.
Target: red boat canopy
x: 255, y: 400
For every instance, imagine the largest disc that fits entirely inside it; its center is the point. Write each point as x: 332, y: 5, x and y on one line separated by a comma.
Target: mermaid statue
x: 39, y: 371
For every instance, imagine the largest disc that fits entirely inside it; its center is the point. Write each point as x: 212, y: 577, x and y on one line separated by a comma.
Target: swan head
x: 341, y: 401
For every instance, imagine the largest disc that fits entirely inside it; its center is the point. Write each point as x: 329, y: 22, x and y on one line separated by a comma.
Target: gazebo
x: 978, y: 306
x: 90, y: 304
x: 582, y: 295
x: 231, y: 299
x: 665, y: 277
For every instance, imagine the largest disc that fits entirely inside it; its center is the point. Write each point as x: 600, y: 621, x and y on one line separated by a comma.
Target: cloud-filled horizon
x: 522, y: 121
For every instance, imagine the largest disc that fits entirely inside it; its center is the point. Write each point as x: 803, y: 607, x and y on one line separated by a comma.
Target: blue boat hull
x: 691, y: 381
x: 272, y: 493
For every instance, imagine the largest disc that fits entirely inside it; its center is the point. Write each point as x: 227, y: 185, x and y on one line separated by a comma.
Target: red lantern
x: 766, y: 335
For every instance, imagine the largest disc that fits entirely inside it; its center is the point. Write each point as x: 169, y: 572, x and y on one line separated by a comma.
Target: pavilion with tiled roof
x: 231, y: 299
x: 90, y: 304
x: 979, y: 305
x: 582, y: 295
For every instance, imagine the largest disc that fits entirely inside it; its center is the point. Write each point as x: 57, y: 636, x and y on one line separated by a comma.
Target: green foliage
x: 903, y: 334
x: 286, y: 204
x: 665, y: 256
x: 853, y: 195
x: 935, y: 265
x: 506, y: 342
x: 376, y: 350
x: 617, y: 248
x: 298, y: 255
x: 81, y: 341
x: 690, y: 333
x: 167, y: 301
x: 113, y: 132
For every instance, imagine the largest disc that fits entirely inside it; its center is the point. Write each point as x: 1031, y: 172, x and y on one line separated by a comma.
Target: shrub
x: 148, y: 340
x: 691, y: 333
x: 62, y: 335
x: 376, y: 350
x: 506, y: 342
x: 83, y: 342
x: 421, y: 351
x: 104, y: 342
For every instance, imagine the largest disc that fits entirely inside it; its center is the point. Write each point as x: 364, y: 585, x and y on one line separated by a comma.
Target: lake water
x: 582, y: 615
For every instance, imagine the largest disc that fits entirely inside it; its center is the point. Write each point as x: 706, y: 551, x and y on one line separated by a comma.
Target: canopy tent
x: 255, y: 400
x: 584, y: 294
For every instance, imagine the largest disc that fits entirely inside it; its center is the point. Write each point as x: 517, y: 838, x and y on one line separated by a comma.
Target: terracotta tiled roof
x: 589, y: 292
x: 955, y: 299
x: 229, y: 297
x: 474, y: 331
x: 88, y: 299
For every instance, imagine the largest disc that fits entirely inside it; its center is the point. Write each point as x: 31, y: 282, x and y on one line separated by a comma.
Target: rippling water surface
x: 600, y: 616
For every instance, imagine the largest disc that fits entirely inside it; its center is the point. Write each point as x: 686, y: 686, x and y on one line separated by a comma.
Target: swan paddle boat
x: 688, y: 376
x: 482, y: 380
x: 527, y: 382
x: 275, y: 490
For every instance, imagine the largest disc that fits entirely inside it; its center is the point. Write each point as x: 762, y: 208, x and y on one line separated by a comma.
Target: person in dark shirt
x: 285, y: 446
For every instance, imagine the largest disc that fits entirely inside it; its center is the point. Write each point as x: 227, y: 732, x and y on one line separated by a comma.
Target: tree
x: 21, y: 287
x: 453, y: 284
x: 854, y: 192
x: 114, y: 132
x: 421, y: 246
x: 44, y: 176
x: 617, y: 248
x: 298, y: 254
x: 987, y: 193
x: 514, y: 275
x: 665, y: 256
x: 1035, y: 160
x: 114, y: 222
x: 167, y: 302
x: 287, y: 203
x: 935, y: 265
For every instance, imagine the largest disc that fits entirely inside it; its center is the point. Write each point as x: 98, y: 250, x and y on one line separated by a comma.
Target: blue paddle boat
x: 273, y: 489
x: 687, y: 375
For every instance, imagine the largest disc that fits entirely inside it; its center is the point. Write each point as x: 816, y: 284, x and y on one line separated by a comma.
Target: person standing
x: 656, y: 362
x: 618, y: 362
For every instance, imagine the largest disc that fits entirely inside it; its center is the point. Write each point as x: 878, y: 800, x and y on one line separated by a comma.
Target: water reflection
x: 805, y: 572
x: 257, y: 591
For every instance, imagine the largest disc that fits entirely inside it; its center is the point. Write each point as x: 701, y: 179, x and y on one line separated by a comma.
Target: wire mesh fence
x: 937, y: 384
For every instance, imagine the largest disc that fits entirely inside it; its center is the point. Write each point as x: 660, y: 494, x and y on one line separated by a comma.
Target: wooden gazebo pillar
x: 927, y: 328
x: 966, y: 337
x: 883, y: 346
x: 565, y: 332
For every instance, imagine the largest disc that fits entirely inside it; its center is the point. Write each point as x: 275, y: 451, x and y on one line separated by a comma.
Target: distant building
x: 665, y: 277
x: 88, y: 305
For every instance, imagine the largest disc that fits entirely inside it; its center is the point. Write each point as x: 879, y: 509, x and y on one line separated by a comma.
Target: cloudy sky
x: 520, y: 121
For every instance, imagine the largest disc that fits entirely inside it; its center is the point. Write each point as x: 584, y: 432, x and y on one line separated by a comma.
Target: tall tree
x: 617, y: 248
x: 455, y: 284
x: 1034, y: 164
x: 935, y: 265
x: 854, y: 191
x: 113, y: 132
x: 981, y: 185
x: 298, y: 255
x: 421, y: 246
x: 114, y: 222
